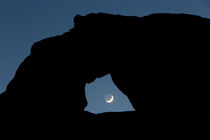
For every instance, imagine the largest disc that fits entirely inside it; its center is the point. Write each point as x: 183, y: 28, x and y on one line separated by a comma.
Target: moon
x: 109, y: 98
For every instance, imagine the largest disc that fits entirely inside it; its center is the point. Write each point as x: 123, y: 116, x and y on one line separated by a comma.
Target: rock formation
x: 158, y: 61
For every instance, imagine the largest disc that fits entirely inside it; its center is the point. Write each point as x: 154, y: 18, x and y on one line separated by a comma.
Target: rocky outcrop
x: 158, y: 61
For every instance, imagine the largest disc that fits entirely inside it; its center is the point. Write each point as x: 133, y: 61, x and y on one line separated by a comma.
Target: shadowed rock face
x: 156, y: 60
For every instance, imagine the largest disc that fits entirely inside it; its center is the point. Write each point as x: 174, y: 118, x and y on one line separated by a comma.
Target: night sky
x: 23, y: 22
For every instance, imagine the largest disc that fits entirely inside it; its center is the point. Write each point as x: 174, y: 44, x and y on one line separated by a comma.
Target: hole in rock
x: 104, y: 96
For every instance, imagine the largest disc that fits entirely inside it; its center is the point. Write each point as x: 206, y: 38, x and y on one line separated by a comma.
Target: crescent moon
x: 111, y: 100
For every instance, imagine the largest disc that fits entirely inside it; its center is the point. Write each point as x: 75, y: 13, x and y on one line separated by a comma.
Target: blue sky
x: 96, y: 91
x: 23, y: 22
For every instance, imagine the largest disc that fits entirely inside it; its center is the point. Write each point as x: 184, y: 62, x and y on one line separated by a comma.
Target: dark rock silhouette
x: 158, y: 61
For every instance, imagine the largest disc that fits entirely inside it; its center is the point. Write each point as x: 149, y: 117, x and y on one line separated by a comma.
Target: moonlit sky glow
x: 24, y: 22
